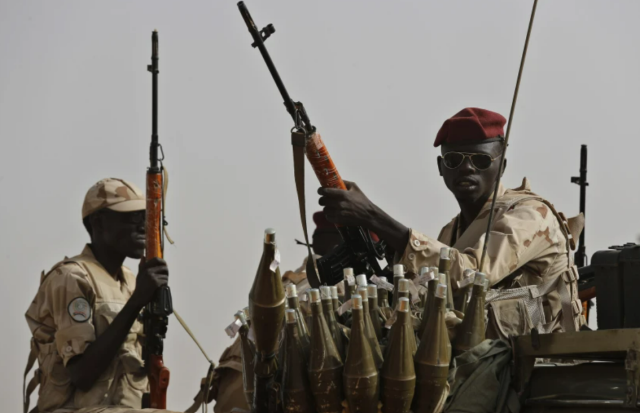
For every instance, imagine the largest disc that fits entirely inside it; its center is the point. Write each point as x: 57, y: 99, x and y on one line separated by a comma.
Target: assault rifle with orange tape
x: 360, y: 248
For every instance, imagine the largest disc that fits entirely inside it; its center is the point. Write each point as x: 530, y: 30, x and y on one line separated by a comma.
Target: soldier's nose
x: 467, y: 166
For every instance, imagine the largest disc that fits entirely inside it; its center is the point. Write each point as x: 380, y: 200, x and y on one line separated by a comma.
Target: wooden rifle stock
x: 154, y: 215
x: 158, y: 382
x: 157, y: 312
x: 587, y: 294
x: 157, y: 372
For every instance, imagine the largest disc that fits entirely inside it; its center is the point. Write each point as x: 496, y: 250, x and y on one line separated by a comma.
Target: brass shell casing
x: 432, y: 361
x: 374, y: 313
x: 369, y: 331
x: 266, y: 306
x: 402, y: 291
x: 336, y: 331
x: 398, y: 378
x: 296, y: 389
x: 444, y: 267
x: 472, y: 330
x: 325, y: 365
x: 462, y: 298
x: 428, y: 307
x: 360, y: 371
x: 303, y: 329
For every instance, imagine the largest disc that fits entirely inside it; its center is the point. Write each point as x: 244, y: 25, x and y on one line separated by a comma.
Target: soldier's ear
x: 504, y: 166
x: 440, y: 165
x: 95, y: 222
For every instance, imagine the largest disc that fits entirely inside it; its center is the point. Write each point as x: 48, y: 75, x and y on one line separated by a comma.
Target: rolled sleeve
x: 420, y: 251
x: 73, y: 333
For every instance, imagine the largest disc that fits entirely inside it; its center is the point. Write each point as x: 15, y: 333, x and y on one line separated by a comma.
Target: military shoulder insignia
x: 79, y: 309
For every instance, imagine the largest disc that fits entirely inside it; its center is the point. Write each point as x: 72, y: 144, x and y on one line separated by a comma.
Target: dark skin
x: 114, y: 237
x: 471, y: 187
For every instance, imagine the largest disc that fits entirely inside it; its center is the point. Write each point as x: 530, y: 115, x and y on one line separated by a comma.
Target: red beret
x: 321, y: 221
x: 471, y: 125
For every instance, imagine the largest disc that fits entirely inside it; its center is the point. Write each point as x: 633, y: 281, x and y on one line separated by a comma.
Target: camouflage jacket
x: 529, y: 263
x: 76, y: 302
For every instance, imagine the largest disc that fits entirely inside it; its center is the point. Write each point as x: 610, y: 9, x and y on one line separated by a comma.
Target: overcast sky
x: 378, y: 78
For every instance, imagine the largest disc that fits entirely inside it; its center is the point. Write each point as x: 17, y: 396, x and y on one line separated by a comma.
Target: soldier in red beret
x: 530, y: 244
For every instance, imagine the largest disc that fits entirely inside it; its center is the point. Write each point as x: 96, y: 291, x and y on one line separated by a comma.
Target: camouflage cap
x: 115, y: 194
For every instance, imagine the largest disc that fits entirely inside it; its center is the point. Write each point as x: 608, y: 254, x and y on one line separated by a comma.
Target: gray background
x: 378, y: 79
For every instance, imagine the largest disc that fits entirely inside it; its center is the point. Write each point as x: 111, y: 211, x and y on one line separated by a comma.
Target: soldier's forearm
x: 393, y: 232
x: 87, y: 368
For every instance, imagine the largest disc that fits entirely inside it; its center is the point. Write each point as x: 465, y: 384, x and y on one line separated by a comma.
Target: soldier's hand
x: 349, y: 208
x: 152, y: 274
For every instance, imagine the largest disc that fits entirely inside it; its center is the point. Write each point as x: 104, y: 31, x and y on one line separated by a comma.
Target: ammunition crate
x: 617, y: 281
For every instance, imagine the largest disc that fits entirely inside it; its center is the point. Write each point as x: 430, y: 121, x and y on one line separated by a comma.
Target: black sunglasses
x: 480, y: 161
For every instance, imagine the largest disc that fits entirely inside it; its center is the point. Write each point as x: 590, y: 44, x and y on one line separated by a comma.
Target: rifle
x: 586, y: 284
x: 360, y: 248
x: 156, y: 313
x: 580, y: 255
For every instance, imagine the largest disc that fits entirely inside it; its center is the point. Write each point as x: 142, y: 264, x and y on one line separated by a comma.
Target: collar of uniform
x: 87, y: 253
x: 525, y: 186
x: 501, y: 192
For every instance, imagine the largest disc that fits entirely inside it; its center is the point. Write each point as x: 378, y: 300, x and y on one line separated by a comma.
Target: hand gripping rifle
x: 360, y: 248
x: 156, y: 313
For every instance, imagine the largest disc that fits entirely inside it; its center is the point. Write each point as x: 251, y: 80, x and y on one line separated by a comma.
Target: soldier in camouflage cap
x: 529, y: 262
x: 84, y: 317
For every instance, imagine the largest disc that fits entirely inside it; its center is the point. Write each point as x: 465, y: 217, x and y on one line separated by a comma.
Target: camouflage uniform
x: 227, y: 387
x: 76, y: 302
x: 529, y: 263
x: 298, y: 277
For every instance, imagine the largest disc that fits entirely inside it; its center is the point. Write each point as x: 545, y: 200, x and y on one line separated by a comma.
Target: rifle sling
x: 298, y: 142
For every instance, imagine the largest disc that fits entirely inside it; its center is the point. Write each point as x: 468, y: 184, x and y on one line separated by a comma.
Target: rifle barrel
x: 258, y: 42
x: 583, y: 186
x: 580, y: 253
x: 153, y: 68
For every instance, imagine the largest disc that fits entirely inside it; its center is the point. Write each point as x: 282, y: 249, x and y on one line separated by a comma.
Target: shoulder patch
x: 79, y: 309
